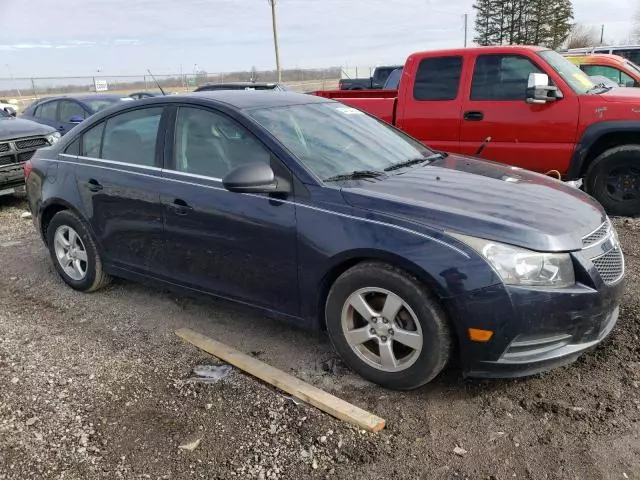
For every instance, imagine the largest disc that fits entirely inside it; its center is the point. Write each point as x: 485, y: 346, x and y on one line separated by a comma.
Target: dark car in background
x: 375, y: 82
x: 64, y: 113
x: 19, y: 139
x: 313, y: 211
x: 278, y: 87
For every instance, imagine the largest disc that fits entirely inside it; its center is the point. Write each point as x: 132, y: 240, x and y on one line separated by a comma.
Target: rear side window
x: 131, y: 137
x: 47, y: 111
x: 501, y: 77
x: 92, y: 141
x: 438, y: 79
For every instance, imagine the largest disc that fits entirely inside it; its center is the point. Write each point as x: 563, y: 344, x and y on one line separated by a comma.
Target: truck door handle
x: 94, y: 185
x: 181, y: 207
x: 473, y: 116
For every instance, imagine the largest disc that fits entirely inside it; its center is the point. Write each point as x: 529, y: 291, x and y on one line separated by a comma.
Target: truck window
x: 501, y: 77
x: 611, y: 73
x: 438, y: 79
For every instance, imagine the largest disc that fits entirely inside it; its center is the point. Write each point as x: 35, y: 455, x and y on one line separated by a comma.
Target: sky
x: 120, y: 37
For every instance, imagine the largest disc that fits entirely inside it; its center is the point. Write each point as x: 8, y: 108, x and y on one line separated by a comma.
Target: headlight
x: 518, y: 266
x: 53, y: 138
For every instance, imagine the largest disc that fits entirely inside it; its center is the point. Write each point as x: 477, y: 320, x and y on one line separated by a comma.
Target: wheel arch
x: 597, y: 139
x: 346, y: 260
x: 51, y: 208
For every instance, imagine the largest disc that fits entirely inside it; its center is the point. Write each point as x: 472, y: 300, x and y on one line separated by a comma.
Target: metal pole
x: 33, y: 85
x: 602, y: 35
x: 466, y: 16
x: 275, y: 38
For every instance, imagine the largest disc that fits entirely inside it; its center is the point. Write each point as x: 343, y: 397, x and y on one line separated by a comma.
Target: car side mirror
x: 539, y: 91
x: 76, y: 119
x: 255, y: 177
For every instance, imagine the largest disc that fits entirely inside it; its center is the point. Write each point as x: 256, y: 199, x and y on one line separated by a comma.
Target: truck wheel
x: 387, y: 327
x: 74, y: 253
x: 613, y: 179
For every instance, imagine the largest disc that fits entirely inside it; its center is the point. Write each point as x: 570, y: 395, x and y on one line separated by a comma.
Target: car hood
x: 11, y: 128
x: 486, y: 200
x: 622, y: 95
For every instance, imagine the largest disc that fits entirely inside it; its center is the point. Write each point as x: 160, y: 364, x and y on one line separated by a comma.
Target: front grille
x: 31, y: 143
x: 4, y: 147
x: 24, y: 156
x: 597, y: 235
x: 610, y: 266
x: 7, y: 160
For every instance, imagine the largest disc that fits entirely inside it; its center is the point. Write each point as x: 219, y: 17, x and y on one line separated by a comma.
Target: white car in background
x: 10, y: 108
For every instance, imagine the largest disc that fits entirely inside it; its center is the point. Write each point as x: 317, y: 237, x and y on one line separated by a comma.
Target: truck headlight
x: 519, y: 266
x: 53, y: 138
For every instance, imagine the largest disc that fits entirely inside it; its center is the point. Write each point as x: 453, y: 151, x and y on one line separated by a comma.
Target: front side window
x: 70, y: 109
x: 131, y: 137
x: 501, y: 77
x: 47, y: 111
x: 210, y: 144
x: 332, y: 139
x: 438, y: 79
x: 92, y: 141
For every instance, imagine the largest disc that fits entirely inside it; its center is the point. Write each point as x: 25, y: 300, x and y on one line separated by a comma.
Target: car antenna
x: 485, y: 142
x: 157, y: 83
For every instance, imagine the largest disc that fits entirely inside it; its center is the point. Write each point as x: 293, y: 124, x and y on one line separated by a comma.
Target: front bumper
x: 11, y: 176
x: 534, y: 329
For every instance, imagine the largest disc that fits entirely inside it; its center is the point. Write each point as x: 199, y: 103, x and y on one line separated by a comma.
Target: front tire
x: 74, y: 253
x: 614, y: 180
x: 387, y: 327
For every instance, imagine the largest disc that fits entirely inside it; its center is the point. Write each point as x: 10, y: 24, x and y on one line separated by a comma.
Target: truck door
x: 430, y: 109
x: 538, y: 137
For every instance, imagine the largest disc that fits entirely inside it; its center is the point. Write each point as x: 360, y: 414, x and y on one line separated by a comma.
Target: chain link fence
x: 21, y: 91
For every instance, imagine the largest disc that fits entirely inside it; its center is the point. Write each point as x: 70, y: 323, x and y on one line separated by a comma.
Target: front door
x: 118, y: 176
x: 536, y: 137
x: 240, y: 246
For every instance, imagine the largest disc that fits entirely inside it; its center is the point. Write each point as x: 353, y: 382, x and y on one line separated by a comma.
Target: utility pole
x: 602, y: 35
x: 466, y: 17
x: 275, y: 38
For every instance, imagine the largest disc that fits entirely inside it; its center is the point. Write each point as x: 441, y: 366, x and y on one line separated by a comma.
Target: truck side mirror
x: 539, y: 91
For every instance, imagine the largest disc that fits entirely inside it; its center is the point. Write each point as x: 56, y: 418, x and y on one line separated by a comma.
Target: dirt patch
x: 96, y: 386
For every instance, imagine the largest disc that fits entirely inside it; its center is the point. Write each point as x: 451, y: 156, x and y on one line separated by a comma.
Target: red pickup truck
x: 529, y: 106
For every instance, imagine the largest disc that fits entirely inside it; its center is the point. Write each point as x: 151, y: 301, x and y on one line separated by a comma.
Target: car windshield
x: 331, y: 139
x: 576, y: 78
x: 100, y: 104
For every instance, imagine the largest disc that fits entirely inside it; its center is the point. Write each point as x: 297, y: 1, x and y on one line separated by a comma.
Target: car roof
x: 240, y: 84
x: 248, y: 99
x: 85, y: 97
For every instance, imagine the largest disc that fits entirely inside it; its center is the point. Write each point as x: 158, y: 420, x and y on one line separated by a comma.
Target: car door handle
x: 181, y: 207
x: 473, y: 116
x: 94, y: 185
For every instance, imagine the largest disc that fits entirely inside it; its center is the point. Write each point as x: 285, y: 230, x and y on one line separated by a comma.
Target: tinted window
x: 68, y: 109
x: 92, y: 140
x: 438, y: 78
x: 131, y: 137
x: 47, y: 111
x: 73, y: 148
x: 210, y: 144
x: 501, y: 77
x: 632, y: 54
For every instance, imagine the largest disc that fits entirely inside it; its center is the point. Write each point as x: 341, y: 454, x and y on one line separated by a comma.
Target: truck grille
x: 7, y: 160
x: 597, y: 235
x: 31, y: 143
x: 610, y: 266
x: 4, y: 147
x: 24, y: 156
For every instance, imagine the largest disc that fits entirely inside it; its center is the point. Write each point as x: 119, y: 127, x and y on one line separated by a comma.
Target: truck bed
x: 379, y: 103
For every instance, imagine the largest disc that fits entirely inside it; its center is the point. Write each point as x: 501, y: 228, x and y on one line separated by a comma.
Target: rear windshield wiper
x: 356, y: 174
x: 415, y: 161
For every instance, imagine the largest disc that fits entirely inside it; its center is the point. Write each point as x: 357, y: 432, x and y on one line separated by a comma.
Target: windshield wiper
x: 415, y: 161
x: 356, y: 174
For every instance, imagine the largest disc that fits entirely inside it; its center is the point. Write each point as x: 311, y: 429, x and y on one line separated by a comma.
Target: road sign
x: 101, y: 85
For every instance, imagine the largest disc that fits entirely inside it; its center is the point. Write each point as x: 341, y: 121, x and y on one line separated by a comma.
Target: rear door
x: 536, y: 137
x: 118, y: 174
x: 430, y: 109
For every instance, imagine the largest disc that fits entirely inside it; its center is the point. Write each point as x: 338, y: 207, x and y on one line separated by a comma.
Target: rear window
x: 97, y: 105
x: 438, y: 79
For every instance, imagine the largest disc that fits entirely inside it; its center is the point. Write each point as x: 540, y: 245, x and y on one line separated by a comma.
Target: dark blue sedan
x: 327, y: 217
x: 64, y: 113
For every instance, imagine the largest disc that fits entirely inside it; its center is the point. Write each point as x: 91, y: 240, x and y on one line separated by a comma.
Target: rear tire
x: 74, y: 253
x: 405, y: 342
x: 613, y: 179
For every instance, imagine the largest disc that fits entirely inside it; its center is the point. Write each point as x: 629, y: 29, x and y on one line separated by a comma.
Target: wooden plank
x: 308, y: 393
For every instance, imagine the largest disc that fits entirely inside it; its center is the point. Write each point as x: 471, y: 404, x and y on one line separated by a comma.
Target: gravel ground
x: 97, y: 386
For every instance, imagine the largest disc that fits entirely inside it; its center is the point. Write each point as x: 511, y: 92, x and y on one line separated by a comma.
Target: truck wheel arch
x: 597, y: 139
